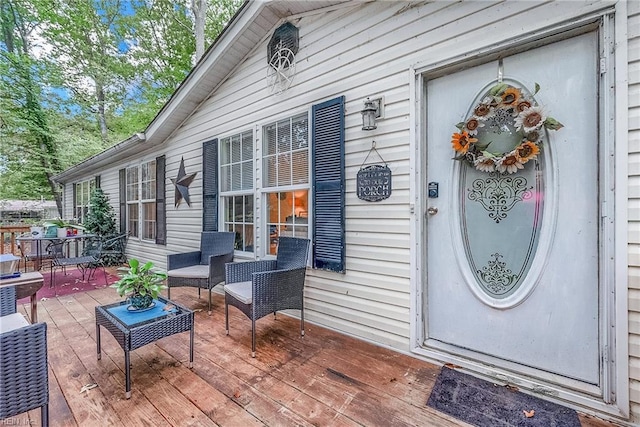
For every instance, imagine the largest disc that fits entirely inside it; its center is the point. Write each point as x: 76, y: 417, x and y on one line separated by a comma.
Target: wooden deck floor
x: 325, y: 379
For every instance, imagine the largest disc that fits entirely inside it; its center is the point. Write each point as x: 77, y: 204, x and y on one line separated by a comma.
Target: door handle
x: 432, y: 210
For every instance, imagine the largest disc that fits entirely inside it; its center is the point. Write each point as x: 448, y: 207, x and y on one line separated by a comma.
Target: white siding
x: 633, y: 31
x: 367, y: 51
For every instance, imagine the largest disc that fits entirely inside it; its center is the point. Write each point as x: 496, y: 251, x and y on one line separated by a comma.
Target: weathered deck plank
x: 323, y: 379
x: 109, y: 373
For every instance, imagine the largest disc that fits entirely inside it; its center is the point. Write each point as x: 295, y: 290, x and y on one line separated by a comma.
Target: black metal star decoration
x: 182, y: 183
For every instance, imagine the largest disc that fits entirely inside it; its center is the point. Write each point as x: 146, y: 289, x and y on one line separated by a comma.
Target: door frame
x: 612, y: 397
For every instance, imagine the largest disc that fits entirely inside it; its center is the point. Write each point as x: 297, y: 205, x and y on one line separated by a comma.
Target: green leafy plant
x: 61, y: 223
x: 140, y: 280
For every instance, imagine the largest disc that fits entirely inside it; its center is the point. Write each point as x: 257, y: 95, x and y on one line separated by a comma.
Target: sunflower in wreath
x: 504, y: 132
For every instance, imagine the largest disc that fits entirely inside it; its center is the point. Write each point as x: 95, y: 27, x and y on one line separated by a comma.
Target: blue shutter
x: 210, y: 185
x: 327, y: 132
x: 161, y: 205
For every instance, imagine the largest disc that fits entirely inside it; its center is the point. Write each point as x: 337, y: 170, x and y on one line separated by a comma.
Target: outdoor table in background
x: 27, y: 284
x: 38, y: 250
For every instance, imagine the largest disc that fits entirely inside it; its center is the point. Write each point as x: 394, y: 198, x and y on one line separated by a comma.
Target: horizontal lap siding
x: 633, y: 31
x: 67, y: 202
x: 381, y: 48
x: 361, y: 51
x: 367, y: 51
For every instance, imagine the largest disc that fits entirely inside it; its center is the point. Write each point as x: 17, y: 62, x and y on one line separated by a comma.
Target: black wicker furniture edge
x: 189, y: 268
x: 258, y: 288
x: 24, y: 377
x: 7, y: 300
x: 131, y: 337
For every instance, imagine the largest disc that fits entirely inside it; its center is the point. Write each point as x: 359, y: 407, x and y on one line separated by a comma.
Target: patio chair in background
x: 203, y: 269
x: 24, y: 383
x: 114, y: 248
x: 38, y: 251
x: 88, y: 262
x: 258, y: 288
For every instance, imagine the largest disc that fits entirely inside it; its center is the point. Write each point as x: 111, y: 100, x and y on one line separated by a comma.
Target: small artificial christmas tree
x: 101, y: 219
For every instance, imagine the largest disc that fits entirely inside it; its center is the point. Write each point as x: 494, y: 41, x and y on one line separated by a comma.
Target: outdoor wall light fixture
x: 370, y: 112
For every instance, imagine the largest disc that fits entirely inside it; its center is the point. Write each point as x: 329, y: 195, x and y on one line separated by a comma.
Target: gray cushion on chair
x: 240, y: 291
x: 191, y: 272
x: 11, y: 322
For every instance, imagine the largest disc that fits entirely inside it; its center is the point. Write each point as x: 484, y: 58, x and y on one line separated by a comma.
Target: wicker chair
x: 24, y: 380
x: 258, y: 288
x: 7, y: 300
x: 203, y: 269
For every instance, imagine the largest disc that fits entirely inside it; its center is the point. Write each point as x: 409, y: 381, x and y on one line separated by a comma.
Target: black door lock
x: 433, y: 190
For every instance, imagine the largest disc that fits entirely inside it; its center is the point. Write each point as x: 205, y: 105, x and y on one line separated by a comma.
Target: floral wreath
x: 505, y: 109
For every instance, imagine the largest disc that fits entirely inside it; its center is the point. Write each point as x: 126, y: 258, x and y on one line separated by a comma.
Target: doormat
x: 483, y: 403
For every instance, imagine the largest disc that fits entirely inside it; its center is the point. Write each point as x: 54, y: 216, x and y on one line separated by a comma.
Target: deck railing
x: 8, y: 233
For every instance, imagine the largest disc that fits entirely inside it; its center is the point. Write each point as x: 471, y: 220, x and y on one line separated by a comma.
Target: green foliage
x: 219, y: 13
x: 77, y: 77
x: 101, y: 219
x: 28, y: 144
x: 61, y: 223
x: 140, y: 280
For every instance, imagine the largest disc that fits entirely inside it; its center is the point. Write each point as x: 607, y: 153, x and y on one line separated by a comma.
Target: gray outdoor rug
x: 485, y: 404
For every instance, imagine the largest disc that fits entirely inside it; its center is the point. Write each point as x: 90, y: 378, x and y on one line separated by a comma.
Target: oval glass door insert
x: 501, y: 187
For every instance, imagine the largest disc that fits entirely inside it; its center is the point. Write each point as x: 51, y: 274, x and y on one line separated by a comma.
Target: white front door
x: 513, y: 259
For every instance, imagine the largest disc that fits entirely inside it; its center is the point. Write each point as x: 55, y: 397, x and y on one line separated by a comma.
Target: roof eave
x: 192, y: 92
x: 195, y: 88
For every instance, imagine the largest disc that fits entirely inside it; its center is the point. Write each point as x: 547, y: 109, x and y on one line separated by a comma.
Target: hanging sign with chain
x: 373, y: 182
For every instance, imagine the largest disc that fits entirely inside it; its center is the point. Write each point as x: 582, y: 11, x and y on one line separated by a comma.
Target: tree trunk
x: 32, y: 114
x: 101, y: 117
x: 199, y: 9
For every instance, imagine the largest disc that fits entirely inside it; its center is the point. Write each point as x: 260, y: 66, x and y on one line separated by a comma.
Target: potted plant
x: 63, y: 228
x: 140, y: 283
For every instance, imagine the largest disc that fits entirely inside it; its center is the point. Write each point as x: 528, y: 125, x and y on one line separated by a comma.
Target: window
x: 236, y: 187
x: 148, y: 200
x: 285, y: 162
x: 133, y: 218
x: 289, y: 191
x: 141, y: 200
x: 287, y: 216
x: 81, y: 198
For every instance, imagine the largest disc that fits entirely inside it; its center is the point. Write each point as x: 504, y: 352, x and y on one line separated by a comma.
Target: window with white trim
x: 83, y: 194
x: 293, y: 155
x: 285, y: 164
x: 141, y: 200
x: 236, y: 188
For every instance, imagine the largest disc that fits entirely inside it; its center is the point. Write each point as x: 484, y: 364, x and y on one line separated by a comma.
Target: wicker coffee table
x: 134, y: 329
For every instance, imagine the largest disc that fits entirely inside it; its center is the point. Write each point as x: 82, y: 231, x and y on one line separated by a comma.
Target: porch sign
x: 373, y: 183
